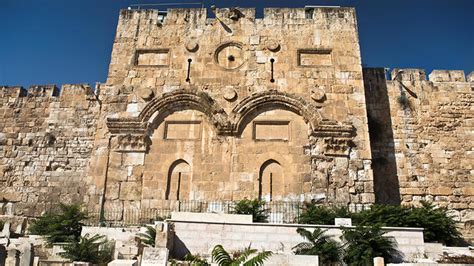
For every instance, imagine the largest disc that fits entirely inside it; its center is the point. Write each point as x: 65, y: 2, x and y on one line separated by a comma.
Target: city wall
x: 422, y: 138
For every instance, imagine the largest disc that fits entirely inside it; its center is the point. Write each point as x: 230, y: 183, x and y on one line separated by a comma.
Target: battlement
x: 178, y: 16
x: 49, y: 90
x: 414, y: 74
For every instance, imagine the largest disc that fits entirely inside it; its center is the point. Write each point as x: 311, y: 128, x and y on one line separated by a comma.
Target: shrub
x: 60, y: 227
x: 362, y: 244
x: 385, y: 215
x: 328, y: 250
x: 195, y: 260
x: 438, y: 225
x: 93, y: 249
x: 312, y: 213
x: 255, y: 207
x: 148, y: 238
x: 223, y: 258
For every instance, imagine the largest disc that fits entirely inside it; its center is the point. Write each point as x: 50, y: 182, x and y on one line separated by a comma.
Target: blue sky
x: 70, y: 41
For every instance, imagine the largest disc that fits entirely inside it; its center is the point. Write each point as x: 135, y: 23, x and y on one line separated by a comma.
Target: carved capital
x: 337, y: 146
x: 130, y: 143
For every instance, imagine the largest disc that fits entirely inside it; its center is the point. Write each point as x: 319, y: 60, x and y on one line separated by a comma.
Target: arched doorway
x: 270, y: 181
x: 179, y: 179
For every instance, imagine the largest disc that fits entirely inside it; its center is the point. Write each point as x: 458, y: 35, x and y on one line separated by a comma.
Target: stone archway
x: 179, y: 181
x: 270, y: 180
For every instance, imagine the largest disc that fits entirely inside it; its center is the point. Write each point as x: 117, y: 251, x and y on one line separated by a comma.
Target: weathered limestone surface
x: 422, y: 139
x: 192, y: 110
x: 46, y: 139
x: 198, y: 108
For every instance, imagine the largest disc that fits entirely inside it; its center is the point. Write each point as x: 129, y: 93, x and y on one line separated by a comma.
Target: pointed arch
x: 270, y: 180
x: 178, y: 182
x: 274, y: 99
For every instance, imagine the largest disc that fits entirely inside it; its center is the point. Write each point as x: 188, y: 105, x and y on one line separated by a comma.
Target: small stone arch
x: 178, y: 182
x: 270, y: 180
x: 269, y: 100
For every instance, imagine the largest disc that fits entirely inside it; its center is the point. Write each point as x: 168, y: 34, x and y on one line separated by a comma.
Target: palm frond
x: 258, y: 259
x: 220, y: 255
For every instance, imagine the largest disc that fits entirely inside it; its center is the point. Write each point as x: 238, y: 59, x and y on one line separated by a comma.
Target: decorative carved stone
x: 229, y: 55
x: 130, y: 143
x: 229, y: 94
x: 272, y: 45
x: 146, y: 93
x: 191, y: 45
x: 318, y: 94
x: 337, y: 146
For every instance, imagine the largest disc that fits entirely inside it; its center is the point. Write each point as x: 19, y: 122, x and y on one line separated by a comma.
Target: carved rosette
x: 130, y: 143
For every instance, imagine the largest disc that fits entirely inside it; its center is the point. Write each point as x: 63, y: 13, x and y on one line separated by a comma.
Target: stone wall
x: 201, y: 237
x: 46, y: 139
x: 198, y: 108
x: 422, y: 138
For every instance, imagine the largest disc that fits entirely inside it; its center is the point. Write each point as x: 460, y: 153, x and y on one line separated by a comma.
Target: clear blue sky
x: 70, y: 41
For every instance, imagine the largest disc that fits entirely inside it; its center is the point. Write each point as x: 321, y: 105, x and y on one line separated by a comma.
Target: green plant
x: 60, y: 227
x: 385, y: 215
x: 223, y: 258
x: 362, y: 244
x: 195, y: 260
x: 93, y: 249
x: 438, y: 225
x: 313, y: 213
x: 254, y: 207
x: 318, y: 243
x: 148, y: 238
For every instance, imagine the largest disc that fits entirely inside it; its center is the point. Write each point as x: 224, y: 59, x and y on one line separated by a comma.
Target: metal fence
x: 278, y: 212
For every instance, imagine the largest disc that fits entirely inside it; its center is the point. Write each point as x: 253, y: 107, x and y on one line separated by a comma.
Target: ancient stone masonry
x: 422, y: 138
x: 46, y: 139
x: 234, y: 107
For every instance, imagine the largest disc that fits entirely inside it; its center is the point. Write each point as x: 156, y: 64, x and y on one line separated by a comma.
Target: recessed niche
x: 182, y: 130
x: 155, y: 57
x: 314, y: 57
x: 271, y: 130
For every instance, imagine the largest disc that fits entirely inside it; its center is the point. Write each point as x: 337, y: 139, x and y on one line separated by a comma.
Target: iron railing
x: 278, y: 212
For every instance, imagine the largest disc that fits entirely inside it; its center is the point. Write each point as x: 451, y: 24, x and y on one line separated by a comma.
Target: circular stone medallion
x: 229, y: 56
x: 229, y: 94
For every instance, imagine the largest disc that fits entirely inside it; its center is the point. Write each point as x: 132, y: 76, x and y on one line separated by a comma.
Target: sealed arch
x: 183, y: 100
x: 178, y: 183
x: 250, y: 106
x: 270, y: 181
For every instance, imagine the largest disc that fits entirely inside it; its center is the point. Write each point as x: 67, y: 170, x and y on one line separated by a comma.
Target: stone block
x: 119, y: 262
x: 211, y: 217
x: 155, y: 256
